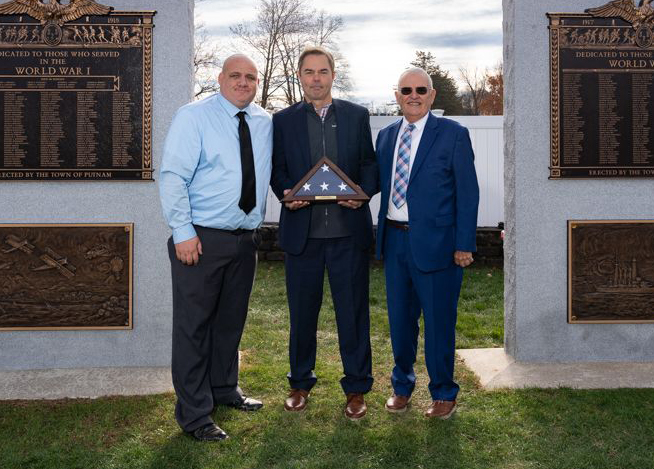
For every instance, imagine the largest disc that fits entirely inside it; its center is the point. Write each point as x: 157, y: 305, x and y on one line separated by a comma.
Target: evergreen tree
x: 446, y: 91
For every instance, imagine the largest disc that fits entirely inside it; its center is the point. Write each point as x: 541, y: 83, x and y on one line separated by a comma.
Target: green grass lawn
x: 501, y: 429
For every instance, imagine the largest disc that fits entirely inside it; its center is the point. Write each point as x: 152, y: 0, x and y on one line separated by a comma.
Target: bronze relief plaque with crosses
x: 66, y: 276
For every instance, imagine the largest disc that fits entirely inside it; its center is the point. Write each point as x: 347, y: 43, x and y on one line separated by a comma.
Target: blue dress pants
x: 410, y: 291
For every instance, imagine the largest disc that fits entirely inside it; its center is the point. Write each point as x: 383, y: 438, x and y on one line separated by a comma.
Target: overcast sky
x: 380, y: 37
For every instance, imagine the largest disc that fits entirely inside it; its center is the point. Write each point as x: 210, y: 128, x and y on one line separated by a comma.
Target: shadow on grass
x: 321, y: 437
x: 181, y: 451
x: 70, y: 433
x: 563, y: 428
x: 554, y: 429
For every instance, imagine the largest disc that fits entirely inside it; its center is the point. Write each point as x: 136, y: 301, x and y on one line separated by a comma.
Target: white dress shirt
x: 402, y: 214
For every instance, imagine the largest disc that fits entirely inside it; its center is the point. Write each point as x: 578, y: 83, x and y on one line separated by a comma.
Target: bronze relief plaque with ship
x: 610, y: 271
x: 75, y: 92
x: 66, y: 276
x: 602, y: 85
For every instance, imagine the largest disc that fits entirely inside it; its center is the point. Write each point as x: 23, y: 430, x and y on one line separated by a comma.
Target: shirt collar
x: 419, y: 124
x: 322, y: 112
x: 230, y: 108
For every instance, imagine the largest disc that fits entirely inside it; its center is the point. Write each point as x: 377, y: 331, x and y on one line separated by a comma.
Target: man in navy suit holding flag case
x: 335, y: 236
x: 426, y: 234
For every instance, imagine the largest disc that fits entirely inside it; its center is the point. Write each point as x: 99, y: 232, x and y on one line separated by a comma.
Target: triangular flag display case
x: 325, y: 182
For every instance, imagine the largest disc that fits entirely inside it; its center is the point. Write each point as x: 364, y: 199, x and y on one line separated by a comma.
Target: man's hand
x: 350, y: 203
x: 463, y: 258
x: 296, y: 204
x: 188, y: 252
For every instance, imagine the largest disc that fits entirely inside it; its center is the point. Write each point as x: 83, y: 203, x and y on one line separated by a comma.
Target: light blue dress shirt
x: 200, y: 180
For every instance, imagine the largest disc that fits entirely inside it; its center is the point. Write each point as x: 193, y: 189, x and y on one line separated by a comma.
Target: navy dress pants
x: 347, y: 269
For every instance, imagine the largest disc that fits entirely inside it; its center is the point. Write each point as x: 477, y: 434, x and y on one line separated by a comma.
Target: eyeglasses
x: 407, y: 90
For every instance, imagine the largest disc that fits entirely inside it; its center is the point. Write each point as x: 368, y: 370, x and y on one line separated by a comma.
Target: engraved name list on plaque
x: 602, y: 84
x: 75, y: 92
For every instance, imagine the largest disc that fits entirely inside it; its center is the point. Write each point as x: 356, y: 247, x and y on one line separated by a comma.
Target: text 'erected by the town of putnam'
x: 602, y: 85
x: 80, y: 110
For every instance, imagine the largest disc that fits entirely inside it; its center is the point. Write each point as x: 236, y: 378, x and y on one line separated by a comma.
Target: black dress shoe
x: 210, y: 432
x: 246, y: 403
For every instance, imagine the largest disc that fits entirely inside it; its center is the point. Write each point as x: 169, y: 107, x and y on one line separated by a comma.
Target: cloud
x: 488, y: 12
x: 219, y: 31
x: 351, y: 19
x: 213, y: 4
x: 435, y: 18
x: 456, y: 40
x: 380, y: 37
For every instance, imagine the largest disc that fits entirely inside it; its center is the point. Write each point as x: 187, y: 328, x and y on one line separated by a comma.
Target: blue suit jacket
x: 442, y: 196
x: 292, y: 161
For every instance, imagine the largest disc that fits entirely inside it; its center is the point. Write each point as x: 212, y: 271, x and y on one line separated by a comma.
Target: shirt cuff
x: 184, y: 233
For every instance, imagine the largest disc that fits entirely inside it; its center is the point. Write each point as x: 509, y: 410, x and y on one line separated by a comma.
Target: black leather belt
x: 400, y: 225
x: 236, y: 232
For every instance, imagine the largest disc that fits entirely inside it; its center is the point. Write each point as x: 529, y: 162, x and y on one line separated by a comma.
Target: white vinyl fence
x: 488, y: 144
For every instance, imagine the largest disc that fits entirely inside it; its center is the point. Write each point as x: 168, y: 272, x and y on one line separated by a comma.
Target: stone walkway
x: 84, y: 382
x: 493, y: 367
x: 496, y: 370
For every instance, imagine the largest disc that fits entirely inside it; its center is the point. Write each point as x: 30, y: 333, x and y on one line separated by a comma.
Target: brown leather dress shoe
x: 356, y: 406
x: 296, y: 400
x: 441, y: 409
x: 398, y: 404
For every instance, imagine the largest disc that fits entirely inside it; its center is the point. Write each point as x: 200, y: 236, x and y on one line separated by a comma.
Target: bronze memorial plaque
x: 75, y: 92
x: 610, y: 271
x: 66, y: 276
x: 602, y: 84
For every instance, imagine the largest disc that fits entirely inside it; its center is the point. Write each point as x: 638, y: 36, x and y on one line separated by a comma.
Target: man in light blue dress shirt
x: 213, y: 186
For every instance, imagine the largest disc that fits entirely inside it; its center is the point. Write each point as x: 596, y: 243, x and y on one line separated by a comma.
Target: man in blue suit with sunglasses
x: 426, y: 235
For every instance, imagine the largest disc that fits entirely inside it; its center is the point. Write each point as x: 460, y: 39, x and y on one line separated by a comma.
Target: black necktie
x: 248, y: 186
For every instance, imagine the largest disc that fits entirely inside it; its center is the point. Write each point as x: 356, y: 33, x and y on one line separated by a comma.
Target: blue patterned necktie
x: 401, y: 180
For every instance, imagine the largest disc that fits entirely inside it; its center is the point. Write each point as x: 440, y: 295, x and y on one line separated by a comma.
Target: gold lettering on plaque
x: 602, y: 80
x: 82, y: 73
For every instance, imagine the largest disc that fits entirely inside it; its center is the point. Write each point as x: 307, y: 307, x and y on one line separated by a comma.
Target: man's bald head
x: 416, y: 71
x: 229, y: 61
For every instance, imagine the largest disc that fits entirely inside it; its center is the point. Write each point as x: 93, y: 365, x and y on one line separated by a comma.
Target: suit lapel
x: 426, y: 141
x: 301, y: 133
x: 389, y: 153
x: 342, y: 126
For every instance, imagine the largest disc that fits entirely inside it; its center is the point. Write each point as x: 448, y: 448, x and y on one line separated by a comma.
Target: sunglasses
x: 406, y: 91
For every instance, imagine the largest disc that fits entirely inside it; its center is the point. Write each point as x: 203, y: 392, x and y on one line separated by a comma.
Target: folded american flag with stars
x: 325, y: 181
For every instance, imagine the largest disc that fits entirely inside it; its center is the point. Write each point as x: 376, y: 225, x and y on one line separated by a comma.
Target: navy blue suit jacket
x: 442, y: 196
x: 292, y: 161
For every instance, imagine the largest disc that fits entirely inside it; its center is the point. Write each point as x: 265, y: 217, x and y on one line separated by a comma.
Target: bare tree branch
x: 493, y: 104
x: 206, y: 63
x: 277, y: 36
x: 475, y: 82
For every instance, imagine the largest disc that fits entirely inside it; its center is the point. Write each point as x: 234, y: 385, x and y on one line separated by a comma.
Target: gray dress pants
x: 210, y: 303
